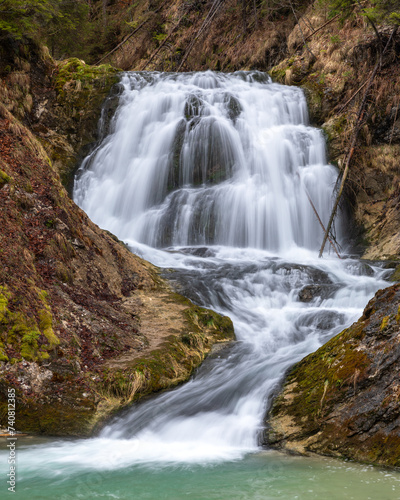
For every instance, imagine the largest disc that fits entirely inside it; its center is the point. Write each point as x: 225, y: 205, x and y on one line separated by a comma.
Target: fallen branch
x: 301, y: 31
x: 122, y: 43
x: 321, y: 27
x: 352, y: 97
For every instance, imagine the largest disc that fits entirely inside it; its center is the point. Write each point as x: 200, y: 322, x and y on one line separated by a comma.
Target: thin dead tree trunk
x: 255, y: 13
x: 322, y: 224
x: 352, y: 97
x: 130, y: 35
x: 321, y: 27
x: 122, y: 43
x: 104, y: 12
x: 244, y: 17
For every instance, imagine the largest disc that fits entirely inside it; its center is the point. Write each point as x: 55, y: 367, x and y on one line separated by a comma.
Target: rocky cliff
x: 86, y: 327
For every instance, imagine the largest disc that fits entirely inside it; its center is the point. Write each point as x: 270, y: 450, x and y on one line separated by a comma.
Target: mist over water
x: 209, y: 175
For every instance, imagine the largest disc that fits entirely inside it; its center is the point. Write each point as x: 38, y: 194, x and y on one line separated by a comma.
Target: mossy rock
x: 4, y: 179
x: 396, y: 274
x: 339, y: 401
x: 76, y: 70
x: 81, y: 91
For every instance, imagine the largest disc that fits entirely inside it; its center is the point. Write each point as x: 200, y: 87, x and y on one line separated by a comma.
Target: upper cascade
x: 209, y: 159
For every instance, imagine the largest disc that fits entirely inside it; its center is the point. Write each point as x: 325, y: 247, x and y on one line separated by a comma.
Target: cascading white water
x: 209, y: 159
x: 217, y: 168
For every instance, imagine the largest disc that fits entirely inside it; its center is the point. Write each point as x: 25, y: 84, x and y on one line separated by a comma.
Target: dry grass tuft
x: 45, y: 53
x: 18, y: 78
x: 4, y: 113
x: 16, y: 128
x: 289, y: 76
x: 28, y: 103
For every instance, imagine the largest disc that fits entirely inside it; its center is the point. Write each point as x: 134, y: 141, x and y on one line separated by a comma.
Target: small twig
x: 321, y: 223
x: 309, y: 25
x: 394, y: 121
x: 352, y: 97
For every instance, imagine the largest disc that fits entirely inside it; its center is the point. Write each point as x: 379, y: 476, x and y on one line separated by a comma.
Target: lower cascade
x: 210, y: 176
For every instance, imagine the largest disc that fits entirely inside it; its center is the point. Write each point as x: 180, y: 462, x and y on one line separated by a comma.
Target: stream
x: 209, y: 176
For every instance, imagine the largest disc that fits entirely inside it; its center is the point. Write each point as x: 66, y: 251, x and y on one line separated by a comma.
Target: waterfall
x: 208, y: 174
x: 205, y: 158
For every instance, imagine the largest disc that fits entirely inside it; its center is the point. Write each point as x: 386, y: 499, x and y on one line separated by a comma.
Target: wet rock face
x: 343, y: 400
x: 307, y: 293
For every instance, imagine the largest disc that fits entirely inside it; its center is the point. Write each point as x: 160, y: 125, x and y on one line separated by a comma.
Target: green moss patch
x: 324, y: 376
x: 25, y: 337
x: 4, y: 179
